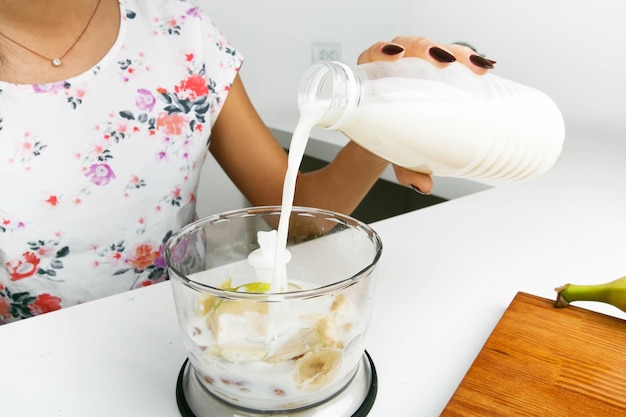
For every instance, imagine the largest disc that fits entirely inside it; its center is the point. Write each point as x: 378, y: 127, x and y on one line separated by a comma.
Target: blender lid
x: 354, y: 400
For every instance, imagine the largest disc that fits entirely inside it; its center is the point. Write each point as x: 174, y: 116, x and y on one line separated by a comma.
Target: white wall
x: 276, y: 36
x: 574, y: 50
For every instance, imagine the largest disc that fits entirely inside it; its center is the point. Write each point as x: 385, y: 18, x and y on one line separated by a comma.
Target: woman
x: 105, y: 114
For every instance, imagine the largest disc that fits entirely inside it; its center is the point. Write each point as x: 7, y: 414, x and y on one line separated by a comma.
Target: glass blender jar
x: 252, y: 351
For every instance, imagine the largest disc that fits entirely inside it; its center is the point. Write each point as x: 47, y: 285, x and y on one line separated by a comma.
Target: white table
x: 447, y: 274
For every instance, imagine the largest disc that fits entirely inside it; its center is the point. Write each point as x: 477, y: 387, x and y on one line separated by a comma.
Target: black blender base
x: 188, y: 389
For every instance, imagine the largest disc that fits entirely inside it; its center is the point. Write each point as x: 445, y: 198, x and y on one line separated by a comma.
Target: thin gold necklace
x: 57, y: 61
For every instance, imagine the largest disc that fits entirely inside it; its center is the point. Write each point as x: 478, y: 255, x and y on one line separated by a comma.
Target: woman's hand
x: 440, y: 55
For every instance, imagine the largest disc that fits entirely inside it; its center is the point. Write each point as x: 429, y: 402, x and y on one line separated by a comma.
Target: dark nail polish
x: 392, y: 49
x: 482, y: 62
x: 417, y: 190
x: 441, y: 55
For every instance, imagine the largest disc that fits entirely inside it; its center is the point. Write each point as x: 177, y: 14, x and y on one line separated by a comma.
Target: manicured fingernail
x: 482, y: 62
x: 417, y: 190
x: 392, y: 49
x: 441, y: 55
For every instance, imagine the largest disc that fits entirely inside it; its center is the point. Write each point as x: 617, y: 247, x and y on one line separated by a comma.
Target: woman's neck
x: 37, y: 31
x: 51, y: 17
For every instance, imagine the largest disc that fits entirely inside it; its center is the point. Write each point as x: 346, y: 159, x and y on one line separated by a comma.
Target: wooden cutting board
x: 546, y: 361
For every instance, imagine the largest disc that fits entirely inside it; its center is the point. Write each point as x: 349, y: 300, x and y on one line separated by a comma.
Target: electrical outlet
x: 325, y: 52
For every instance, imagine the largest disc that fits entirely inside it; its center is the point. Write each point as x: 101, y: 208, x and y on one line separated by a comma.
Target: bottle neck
x: 333, y: 89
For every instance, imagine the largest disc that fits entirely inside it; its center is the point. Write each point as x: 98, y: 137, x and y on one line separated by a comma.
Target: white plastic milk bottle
x: 445, y: 122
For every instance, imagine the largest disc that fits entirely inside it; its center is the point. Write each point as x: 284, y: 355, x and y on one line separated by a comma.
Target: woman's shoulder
x: 154, y: 9
x: 177, y: 19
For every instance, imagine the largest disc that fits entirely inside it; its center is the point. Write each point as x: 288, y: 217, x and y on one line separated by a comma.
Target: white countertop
x: 447, y: 274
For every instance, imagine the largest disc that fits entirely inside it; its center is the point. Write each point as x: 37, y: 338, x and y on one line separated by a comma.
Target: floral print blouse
x: 97, y: 171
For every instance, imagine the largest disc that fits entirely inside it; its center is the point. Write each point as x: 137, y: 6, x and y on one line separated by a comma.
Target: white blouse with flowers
x: 96, y: 172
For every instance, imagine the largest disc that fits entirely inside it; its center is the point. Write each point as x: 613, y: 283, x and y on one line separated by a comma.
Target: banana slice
x: 234, y: 321
x: 240, y: 352
x: 328, y: 329
x: 317, y: 369
x: 340, y: 304
x: 206, y: 302
x: 304, y: 341
x: 326, y: 325
x: 256, y: 287
x: 241, y: 307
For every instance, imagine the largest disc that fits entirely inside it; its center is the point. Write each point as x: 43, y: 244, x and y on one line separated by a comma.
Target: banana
x: 339, y: 304
x: 326, y: 326
x: 613, y: 293
x: 240, y: 352
x: 317, y: 369
x: 207, y: 303
x: 306, y: 340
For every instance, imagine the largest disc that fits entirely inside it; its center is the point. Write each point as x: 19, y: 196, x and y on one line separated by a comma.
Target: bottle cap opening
x: 333, y: 85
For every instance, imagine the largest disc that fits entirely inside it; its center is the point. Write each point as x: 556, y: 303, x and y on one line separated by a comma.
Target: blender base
x: 354, y: 400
